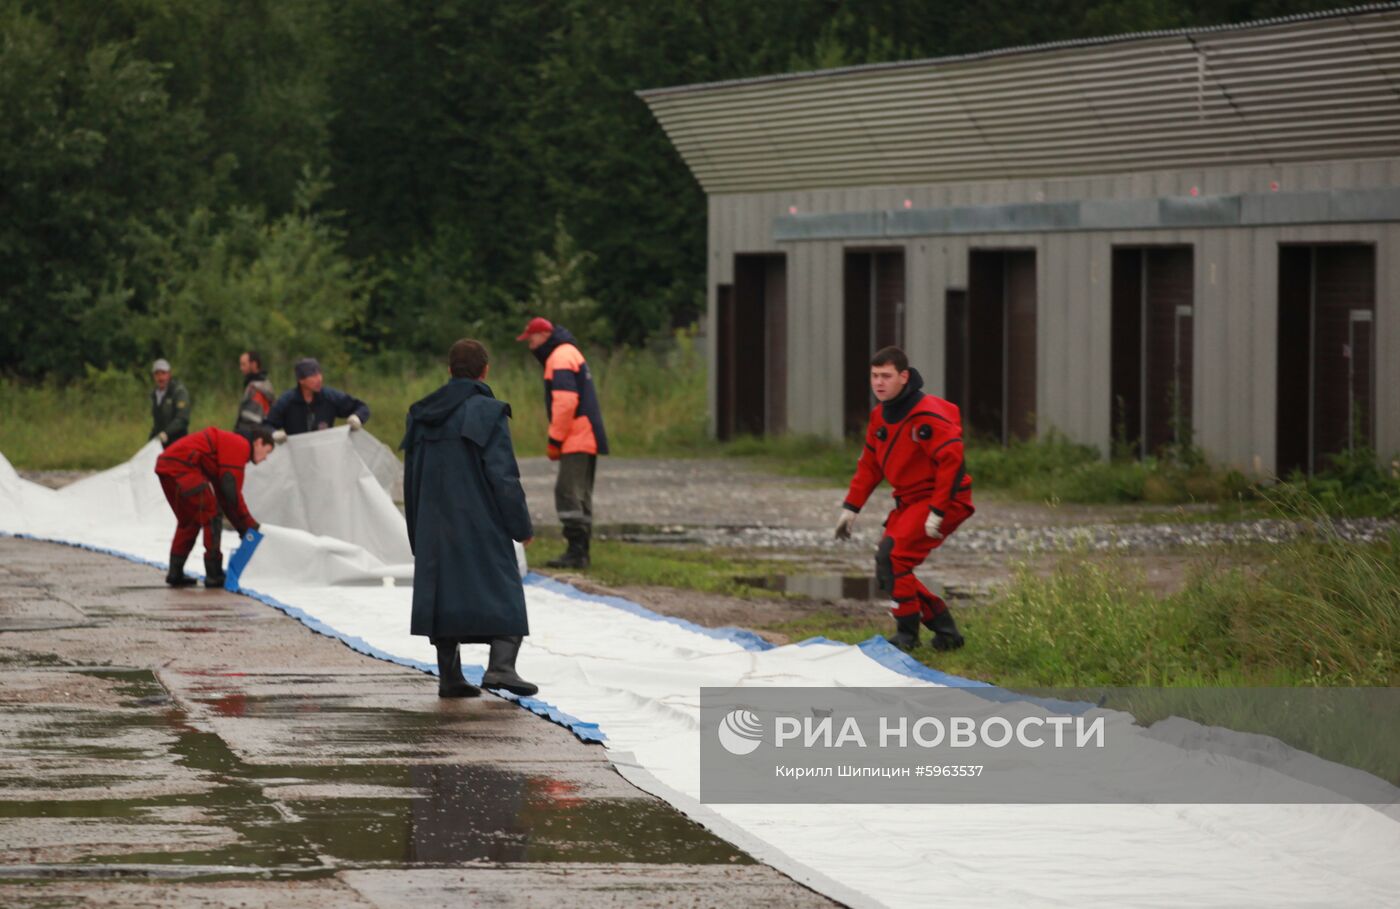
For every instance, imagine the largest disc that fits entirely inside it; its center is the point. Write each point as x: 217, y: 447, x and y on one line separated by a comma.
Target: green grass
x: 620, y: 564
x: 653, y: 404
x: 1318, y: 612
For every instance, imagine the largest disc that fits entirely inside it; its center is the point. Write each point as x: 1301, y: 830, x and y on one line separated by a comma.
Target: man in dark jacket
x: 576, y: 434
x: 464, y: 504
x: 310, y: 406
x: 170, y: 406
x: 257, y: 392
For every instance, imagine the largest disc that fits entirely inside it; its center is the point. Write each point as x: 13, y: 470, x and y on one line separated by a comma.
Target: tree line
x: 370, y: 177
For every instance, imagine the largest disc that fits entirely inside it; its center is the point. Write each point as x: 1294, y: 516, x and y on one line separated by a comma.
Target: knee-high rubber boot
x: 500, y: 671
x: 176, y: 576
x: 906, y: 634
x: 451, y: 682
x: 213, y: 569
x: 945, y: 631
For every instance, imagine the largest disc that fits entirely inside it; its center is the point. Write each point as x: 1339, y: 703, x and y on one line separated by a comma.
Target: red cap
x: 538, y: 323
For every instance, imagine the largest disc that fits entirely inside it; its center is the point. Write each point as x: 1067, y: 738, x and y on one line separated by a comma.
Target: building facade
x: 1126, y: 239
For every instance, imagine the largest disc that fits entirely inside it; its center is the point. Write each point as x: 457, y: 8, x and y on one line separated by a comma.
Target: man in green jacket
x: 170, y: 405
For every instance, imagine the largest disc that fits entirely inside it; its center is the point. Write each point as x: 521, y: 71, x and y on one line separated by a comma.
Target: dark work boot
x: 500, y: 671
x: 451, y: 682
x: 213, y: 569
x: 176, y: 576
x: 576, y: 556
x: 945, y: 631
x: 906, y: 634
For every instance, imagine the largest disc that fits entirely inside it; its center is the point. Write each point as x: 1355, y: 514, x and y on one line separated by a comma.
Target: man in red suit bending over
x: 914, y: 440
x: 201, y: 474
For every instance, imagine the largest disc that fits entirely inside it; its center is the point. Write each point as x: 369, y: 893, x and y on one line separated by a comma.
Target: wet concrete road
x: 195, y: 748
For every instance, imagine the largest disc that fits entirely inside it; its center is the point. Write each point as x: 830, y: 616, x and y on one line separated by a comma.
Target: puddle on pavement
x: 417, y: 815
x: 833, y: 587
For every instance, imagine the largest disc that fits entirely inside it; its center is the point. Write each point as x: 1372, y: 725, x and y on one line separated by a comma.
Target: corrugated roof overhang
x: 1309, y: 88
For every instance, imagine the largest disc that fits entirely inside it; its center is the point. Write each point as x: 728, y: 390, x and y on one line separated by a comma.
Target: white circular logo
x: 740, y: 732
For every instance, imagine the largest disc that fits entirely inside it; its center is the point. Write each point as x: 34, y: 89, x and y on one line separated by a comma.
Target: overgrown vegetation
x: 653, y: 404
x: 1318, y: 612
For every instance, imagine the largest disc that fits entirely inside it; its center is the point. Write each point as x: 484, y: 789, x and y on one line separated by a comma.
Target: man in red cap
x: 914, y: 440
x: 576, y: 435
x: 200, y: 474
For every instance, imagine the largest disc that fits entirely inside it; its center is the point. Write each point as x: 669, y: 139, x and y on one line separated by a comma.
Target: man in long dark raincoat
x: 464, y: 506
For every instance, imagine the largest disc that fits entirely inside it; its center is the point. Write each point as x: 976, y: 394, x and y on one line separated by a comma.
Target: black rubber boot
x: 500, y: 671
x: 214, y: 569
x: 176, y: 576
x: 576, y: 556
x: 945, y: 631
x: 451, y: 682
x: 906, y: 634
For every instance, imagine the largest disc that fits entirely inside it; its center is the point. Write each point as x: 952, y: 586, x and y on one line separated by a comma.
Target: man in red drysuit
x: 200, y: 474
x: 915, y: 441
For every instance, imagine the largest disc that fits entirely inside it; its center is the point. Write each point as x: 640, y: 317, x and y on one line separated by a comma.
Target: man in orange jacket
x: 200, y: 474
x: 576, y: 435
x: 914, y: 440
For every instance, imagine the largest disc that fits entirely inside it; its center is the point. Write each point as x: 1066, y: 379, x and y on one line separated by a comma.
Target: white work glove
x: 354, y: 422
x: 279, y: 436
x: 843, y: 526
x: 935, y: 521
x: 164, y: 438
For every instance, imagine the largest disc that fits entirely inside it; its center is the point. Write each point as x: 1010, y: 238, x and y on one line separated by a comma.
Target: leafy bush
x: 1352, y: 483
x: 282, y: 287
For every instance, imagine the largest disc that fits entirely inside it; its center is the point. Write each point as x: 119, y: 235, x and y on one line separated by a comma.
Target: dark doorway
x: 874, y: 318
x: 955, y: 342
x: 751, y: 385
x: 1153, y: 352
x: 1326, y: 353
x: 726, y: 365
x: 1000, y: 350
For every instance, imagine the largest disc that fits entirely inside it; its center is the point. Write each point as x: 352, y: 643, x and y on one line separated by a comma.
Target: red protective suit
x: 200, y: 474
x: 915, y: 442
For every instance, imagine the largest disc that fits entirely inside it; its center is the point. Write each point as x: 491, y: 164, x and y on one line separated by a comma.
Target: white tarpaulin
x: 613, y: 671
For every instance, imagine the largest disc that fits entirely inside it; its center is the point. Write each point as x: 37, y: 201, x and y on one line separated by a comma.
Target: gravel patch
x: 1016, y: 539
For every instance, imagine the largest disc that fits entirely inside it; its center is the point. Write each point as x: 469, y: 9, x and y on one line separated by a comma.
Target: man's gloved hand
x: 554, y: 449
x: 164, y: 439
x: 843, y: 526
x: 935, y: 521
x: 279, y: 436
x: 355, y: 422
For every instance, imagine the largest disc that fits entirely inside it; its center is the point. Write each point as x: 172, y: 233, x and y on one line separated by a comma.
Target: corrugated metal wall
x: 1236, y: 300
